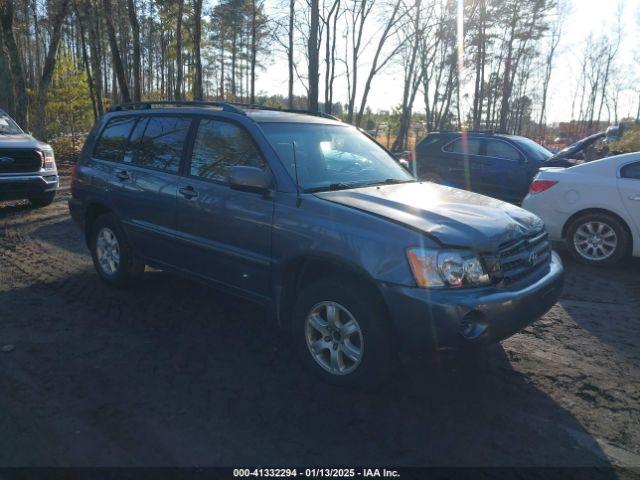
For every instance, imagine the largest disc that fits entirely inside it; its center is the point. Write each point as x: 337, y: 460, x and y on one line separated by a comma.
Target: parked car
x: 500, y: 166
x: 594, y: 208
x: 27, y: 167
x: 592, y: 147
x: 310, y: 217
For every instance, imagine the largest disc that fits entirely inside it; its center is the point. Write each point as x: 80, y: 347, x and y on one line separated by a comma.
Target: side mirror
x: 249, y: 179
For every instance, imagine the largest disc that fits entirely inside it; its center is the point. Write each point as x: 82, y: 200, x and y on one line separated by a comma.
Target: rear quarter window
x: 114, y: 139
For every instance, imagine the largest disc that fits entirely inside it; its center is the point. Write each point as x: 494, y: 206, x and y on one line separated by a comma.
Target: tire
x: 43, y: 200
x: 373, y: 338
x: 593, y: 233
x: 115, y: 263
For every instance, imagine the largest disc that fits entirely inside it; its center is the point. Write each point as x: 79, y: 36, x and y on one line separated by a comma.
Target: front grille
x: 518, y: 259
x: 20, y: 160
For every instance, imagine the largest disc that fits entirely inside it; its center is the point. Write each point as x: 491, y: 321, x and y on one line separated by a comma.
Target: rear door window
x: 631, y: 171
x: 134, y: 140
x: 465, y: 146
x: 162, y: 143
x: 219, y: 145
x: 498, y: 149
x: 114, y: 139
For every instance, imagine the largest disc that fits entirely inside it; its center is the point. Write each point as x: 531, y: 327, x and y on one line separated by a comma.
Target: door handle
x: 635, y: 197
x: 123, y: 175
x: 188, y: 192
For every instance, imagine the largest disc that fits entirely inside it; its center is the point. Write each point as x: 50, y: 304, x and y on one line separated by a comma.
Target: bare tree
x: 18, y: 80
x: 118, y: 66
x: 137, y: 73
x: 412, y: 76
x: 179, y: 64
x: 50, y: 63
x: 554, y: 41
x: 198, y: 92
x: 314, y: 55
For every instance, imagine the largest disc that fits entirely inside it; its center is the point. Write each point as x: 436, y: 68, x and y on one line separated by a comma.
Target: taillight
x: 538, y: 186
x: 74, y: 175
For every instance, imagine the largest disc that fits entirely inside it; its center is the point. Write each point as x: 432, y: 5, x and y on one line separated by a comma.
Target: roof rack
x: 486, y: 132
x: 147, y: 105
x: 225, y: 106
x: 253, y: 106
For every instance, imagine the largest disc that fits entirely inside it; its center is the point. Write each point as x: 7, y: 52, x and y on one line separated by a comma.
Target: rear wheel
x: 112, y: 256
x: 597, y: 239
x: 43, y: 200
x: 341, y: 335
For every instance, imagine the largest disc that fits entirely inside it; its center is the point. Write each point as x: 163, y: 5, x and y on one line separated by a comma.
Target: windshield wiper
x: 331, y: 187
x: 387, y: 181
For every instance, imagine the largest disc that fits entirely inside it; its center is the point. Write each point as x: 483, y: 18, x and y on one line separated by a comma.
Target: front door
x: 629, y: 188
x: 226, y: 233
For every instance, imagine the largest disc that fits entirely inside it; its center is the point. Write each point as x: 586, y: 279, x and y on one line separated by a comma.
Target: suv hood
x: 21, y: 140
x: 453, y: 217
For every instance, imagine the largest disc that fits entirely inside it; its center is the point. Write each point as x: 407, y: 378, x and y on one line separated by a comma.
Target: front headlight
x: 49, y: 162
x: 440, y: 268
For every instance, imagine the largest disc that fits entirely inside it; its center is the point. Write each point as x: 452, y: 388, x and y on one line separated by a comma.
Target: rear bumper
x: 433, y: 319
x: 17, y: 187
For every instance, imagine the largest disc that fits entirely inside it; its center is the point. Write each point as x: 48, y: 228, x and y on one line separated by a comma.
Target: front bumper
x: 435, y: 319
x: 17, y: 187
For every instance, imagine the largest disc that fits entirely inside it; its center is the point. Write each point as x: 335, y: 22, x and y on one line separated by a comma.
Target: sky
x: 584, y: 17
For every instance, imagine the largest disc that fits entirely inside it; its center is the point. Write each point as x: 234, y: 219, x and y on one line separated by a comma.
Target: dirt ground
x: 175, y: 373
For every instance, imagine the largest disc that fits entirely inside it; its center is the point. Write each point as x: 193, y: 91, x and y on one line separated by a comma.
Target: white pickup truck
x: 27, y: 166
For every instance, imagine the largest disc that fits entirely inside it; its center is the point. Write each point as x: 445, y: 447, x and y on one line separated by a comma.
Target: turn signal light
x: 538, y: 186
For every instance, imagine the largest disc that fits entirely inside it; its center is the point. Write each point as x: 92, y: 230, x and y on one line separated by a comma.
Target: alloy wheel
x: 595, y: 240
x: 108, y: 251
x: 334, y: 338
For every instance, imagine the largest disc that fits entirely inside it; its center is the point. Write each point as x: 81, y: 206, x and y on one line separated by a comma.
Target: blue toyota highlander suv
x: 357, y: 259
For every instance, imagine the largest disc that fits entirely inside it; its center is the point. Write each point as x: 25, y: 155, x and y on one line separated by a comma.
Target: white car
x: 594, y: 208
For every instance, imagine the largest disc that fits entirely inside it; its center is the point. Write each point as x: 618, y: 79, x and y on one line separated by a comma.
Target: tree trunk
x: 179, y: 66
x: 410, y: 85
x: 314, y: 56
x: 118, y: 67
x: 49, y: 66
x: 21, y: 100
x: 198, y: 92
x: 254, y: 49
x: 292, y: 5
x: 137, y: 68
x: 87, y: 65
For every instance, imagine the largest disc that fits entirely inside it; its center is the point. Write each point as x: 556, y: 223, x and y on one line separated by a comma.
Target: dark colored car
x: 587, y: 149
x: 500, y: 166
x: 27, y: 167
x: 311, y: 218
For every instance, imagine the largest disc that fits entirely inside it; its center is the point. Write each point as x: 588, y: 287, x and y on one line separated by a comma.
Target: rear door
x: 226, y: 233
x: 460, y: 166
x: 629, y: 187
x: 503, y: 173
x: 148, y: 175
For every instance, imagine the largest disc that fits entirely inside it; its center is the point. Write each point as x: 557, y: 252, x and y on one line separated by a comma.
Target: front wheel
x: 341, y: 335
x: 112, y: 257
x: 597, y: 239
